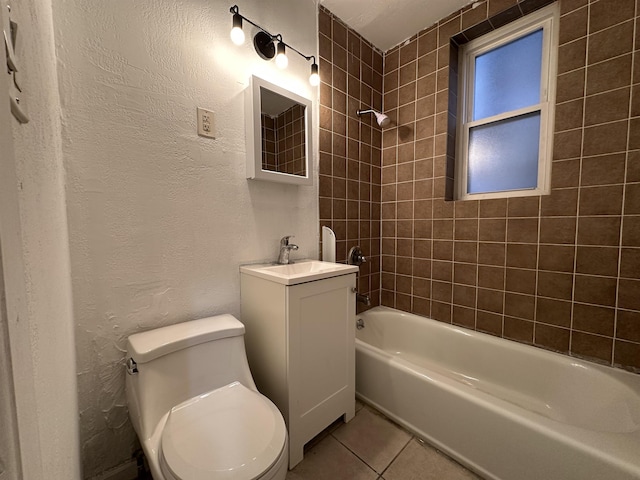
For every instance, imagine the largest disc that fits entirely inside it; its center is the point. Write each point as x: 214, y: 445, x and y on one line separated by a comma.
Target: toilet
x: 195, y: 407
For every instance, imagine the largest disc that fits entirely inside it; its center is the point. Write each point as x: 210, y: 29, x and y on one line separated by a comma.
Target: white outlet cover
x: 205, y: 123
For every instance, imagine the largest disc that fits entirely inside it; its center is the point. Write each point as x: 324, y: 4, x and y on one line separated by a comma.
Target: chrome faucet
x: 362, y: 298
x: 285, y: 249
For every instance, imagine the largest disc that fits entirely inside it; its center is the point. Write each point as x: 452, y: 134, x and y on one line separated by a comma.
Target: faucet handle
x: 355, y: 256
x: 285, y: 240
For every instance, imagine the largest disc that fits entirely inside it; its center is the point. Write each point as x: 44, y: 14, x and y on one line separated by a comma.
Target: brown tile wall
x: 283, y: 144
x: 561, y: 271
x: 290, y: 137
x: 350, y: 147
x: 269, y: 143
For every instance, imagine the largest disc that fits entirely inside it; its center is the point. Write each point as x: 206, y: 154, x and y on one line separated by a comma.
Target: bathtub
x: 505, y: 410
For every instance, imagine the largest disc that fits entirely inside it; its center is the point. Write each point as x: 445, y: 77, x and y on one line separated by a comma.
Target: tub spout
x: 363, y: 299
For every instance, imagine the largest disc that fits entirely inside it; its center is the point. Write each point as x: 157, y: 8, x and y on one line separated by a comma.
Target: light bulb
x: 314, y: 78
x: 281, y: 58
x: 237, y: 34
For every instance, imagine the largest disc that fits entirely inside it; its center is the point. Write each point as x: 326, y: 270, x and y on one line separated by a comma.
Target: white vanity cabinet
x: 300, y: 340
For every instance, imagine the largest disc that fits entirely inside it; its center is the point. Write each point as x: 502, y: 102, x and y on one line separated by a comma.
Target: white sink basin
x: 299, y: 272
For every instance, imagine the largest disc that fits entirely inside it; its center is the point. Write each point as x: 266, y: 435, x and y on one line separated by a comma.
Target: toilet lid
x: 229, y: 433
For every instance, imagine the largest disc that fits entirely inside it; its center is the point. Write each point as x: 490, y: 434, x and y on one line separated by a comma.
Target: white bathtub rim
x: 617, y: 372
x: 624, y: 383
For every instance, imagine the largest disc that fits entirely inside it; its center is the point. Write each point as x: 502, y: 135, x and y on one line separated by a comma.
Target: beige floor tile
x: 422, y: 462
x: 330, y: 460
x: 373, y: 438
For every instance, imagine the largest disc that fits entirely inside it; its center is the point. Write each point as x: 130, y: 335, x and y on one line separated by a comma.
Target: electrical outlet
x: 205, y: 123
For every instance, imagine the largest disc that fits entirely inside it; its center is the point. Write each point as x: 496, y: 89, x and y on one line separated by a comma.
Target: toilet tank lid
x: 147, y: 346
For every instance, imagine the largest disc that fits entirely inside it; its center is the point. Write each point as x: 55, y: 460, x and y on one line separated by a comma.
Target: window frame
x: 546, y: 19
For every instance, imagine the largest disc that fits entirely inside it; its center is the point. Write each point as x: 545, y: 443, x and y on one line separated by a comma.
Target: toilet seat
x: 229, y: 433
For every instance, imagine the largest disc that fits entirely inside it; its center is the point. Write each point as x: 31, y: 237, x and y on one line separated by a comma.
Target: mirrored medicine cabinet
x: 278, y: 134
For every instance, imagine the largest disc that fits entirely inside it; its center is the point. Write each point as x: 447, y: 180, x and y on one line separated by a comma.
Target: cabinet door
x: 322, y: 352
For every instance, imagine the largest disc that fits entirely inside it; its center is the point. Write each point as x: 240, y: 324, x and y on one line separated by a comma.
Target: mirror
x: 278, y: 134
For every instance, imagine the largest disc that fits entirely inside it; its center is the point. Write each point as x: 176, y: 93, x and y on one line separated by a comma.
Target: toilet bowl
x: 195, y: 407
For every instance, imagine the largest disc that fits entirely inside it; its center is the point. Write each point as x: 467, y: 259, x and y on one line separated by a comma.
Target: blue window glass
x: 503, y: 155
x: 508, y: 77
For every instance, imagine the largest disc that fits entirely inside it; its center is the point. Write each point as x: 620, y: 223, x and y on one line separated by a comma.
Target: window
x: 505, y: 122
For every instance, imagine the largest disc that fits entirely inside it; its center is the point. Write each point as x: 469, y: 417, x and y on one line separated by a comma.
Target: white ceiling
x: 387, y: 23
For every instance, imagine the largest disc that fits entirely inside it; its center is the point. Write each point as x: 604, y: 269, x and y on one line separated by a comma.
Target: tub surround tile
x: 572, y: 56
x: 631, y: 231
x: 632, y: 199
x: 494, y: 208
x: 603, y: 231
x: 595, y: 319
x: 519, y: 306
x: 607, y: 107
x: 597, y: 260
x: 605, y: 14
x: 593, y: 347
x: 627, y: 354
x: 630, y: 263
x: 532, y: 269
x: 518, y: 329
x: 570, y: 86
x: 351, y: 148
x: 603, y: 170
x: 567, y: 6
x: 566, y: 173
x: 488, y: 322
x: 552, y: 338
x: 608, y: 75
x: 628, y: 294
x: 556, y: 258
x: 628, y: 326
x: 521, y: 281
x: 555, y: 285
x: 573, y: 25
x: 611, y: 42
x: 554, y: 312
x: 522, y: 255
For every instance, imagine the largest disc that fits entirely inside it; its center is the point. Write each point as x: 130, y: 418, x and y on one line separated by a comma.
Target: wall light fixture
x: 268, y: 45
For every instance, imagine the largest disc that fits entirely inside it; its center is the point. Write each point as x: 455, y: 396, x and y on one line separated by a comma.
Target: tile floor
x: 372, y: 447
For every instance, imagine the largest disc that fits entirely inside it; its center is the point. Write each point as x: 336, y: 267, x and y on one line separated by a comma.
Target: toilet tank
x: 178, y: 362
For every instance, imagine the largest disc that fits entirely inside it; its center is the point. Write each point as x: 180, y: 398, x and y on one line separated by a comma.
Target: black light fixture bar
x: 236, y: 11
x: 274, y: 38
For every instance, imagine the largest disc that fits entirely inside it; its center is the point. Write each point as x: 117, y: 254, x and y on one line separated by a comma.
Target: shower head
x: 381, y: 118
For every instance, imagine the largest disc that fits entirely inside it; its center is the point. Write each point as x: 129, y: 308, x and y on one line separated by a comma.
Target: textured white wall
x: 160, y: 219
x: 36, y: 260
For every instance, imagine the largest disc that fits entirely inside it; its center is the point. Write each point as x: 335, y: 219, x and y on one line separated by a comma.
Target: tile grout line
x: 352, y: 452
x: 363, y: 460
x: 624, y: 192
x: 582, y: 141
x: 398, y: 454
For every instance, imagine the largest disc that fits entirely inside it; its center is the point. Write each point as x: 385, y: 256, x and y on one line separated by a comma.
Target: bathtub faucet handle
x: 356, y: 256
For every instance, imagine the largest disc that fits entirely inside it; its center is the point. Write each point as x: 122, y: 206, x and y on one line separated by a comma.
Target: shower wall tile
x: 560, y: 271
x: 350, y: 173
